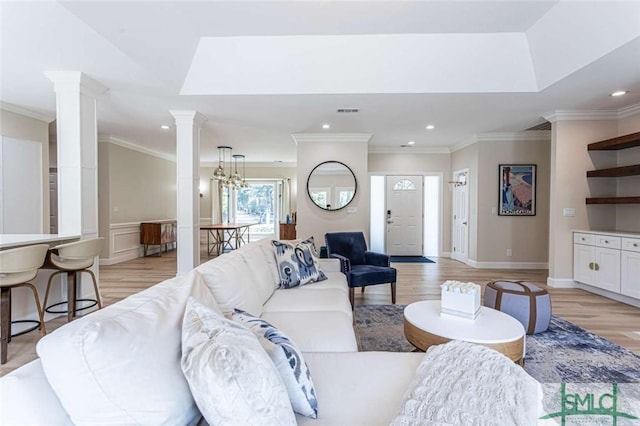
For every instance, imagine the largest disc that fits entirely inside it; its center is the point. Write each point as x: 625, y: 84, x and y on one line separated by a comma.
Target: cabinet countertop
x: 630, y: 234
x: 17, y: 240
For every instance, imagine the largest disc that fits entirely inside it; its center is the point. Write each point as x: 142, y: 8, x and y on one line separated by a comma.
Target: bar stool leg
x: 95, y: 287
x: 71, y: 295
x: 5, y: 322
x: 46, y: 294
x: 42, y: 327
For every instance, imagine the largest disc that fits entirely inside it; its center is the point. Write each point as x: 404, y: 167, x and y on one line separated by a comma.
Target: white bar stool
x: 17, y: 266
x: 73, y: 259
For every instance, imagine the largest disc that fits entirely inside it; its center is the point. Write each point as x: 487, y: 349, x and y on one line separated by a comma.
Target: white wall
x: 570, y: 161
x: 526, y: 236
x: 133, y: 187
x: 20, y: 127
x: 350, y: 150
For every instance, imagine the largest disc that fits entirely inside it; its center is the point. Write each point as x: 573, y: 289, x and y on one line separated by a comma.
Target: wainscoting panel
x: 124, y: 243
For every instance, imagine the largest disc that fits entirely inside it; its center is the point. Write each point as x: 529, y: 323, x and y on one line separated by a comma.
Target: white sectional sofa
x: 121, y: 365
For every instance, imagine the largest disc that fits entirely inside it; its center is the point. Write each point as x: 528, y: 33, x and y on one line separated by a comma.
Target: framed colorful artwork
x: 517, y: 189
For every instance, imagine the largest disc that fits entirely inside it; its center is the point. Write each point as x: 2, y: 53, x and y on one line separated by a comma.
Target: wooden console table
x: 287, y: 231
x: 160, y: 233
x: 221, y: 236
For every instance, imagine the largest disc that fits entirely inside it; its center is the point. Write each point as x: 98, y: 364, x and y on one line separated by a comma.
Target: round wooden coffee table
x: 424, y: 326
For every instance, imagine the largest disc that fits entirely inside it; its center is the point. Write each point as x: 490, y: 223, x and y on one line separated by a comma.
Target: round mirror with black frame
x: 331, y: 185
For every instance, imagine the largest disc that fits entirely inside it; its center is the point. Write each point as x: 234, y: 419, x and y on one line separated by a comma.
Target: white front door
x: 460, y: 215
x: 404, y: 215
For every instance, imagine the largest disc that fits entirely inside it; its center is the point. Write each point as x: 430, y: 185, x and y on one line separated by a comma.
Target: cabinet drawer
x: 588, y: 239
x: 608, y: 241
x: 631, y: 244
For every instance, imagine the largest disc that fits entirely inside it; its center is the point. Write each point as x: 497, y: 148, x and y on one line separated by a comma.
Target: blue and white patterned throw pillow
x: 297, y: 263
x: 288, y: 361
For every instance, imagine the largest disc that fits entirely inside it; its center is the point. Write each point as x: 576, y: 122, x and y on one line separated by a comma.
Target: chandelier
x: 233, y: 179
x: 219, y: 173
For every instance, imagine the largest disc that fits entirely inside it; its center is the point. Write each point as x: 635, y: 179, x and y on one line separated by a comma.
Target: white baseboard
x: 507, y: 265
x: 561, y: 283
x: 122, y: 256
x: 610, y: 295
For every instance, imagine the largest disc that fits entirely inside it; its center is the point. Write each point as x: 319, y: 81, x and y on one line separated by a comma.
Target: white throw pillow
x: 288, y: 360
x: 121, y: 364
x: 298, y: 263
x: 231, y: 377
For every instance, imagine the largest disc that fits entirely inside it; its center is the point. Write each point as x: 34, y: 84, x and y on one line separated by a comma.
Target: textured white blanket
x: 461, y: 383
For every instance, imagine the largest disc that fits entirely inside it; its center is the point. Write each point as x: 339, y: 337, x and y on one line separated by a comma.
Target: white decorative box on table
x: 460, y: 299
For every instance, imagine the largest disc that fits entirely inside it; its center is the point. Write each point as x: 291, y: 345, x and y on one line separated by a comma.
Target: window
x: 404, y: 185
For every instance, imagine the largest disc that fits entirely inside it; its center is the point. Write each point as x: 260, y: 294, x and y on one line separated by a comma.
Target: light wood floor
x: 615, y: 321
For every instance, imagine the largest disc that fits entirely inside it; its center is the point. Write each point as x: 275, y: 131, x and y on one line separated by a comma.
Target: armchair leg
x: 393, y: 293
x: 351, y: 297
x: 362, y: 289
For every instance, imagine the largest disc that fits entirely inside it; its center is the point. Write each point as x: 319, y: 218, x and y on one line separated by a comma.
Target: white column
x: 188, y: 125
x: 77, y: 152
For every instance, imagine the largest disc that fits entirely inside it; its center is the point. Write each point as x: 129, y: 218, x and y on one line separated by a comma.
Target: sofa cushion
x: 121, y: 364
x: 230, y: 281
x: 230, y: 375
x: 297, y: 263
x: 288, y: 360
x: 359, y: 388
x: 308, y: 301
x: 26, y: 399
x: 257, y: 265
x: 330, y: 331
x: 334, y: 281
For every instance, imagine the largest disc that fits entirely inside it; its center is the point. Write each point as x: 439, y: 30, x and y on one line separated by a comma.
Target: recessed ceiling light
x: 164, y: 127
x: 411, y: 143
x: 620, y: 93
x: 326, y: 126
x: 430, y: 127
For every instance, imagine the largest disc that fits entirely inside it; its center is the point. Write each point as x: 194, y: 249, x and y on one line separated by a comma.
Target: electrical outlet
x: 509, y: 252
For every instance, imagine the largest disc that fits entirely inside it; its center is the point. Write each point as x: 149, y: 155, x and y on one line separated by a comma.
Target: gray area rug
x: 564, y: 353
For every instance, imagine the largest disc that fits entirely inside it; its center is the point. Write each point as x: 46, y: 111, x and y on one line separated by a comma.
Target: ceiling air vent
x: 347, y: 110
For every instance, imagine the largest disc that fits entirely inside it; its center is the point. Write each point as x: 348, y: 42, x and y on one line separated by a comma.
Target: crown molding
x: 188, y: 117
x: 130, y: 145
x: 75, y: 81
x: 629, y: 111
x: 587, y: 115
x: 331, y: 137
x: 254, y: 164
x: 523, y: 136
x: 378, y: 149
x: 23, y: 111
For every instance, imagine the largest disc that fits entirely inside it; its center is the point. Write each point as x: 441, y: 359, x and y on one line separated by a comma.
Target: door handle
x: 464, y: 223
x: 596, y: 266
x: 389, y: 221
x: 591, y: 265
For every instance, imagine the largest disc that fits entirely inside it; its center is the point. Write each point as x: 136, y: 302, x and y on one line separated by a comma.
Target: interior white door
x: 461, y: 215
x: 404, y: 215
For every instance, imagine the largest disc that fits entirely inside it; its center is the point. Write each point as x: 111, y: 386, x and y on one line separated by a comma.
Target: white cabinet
x: 596, y: 260
x: 630, y: 267
x: 607, y: 261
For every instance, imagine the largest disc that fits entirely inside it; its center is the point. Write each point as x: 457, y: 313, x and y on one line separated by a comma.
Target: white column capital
x: 186, y: 117
x: 75, y: 81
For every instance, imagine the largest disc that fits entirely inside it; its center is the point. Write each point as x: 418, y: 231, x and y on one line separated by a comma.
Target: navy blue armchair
x: 362, y: 267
